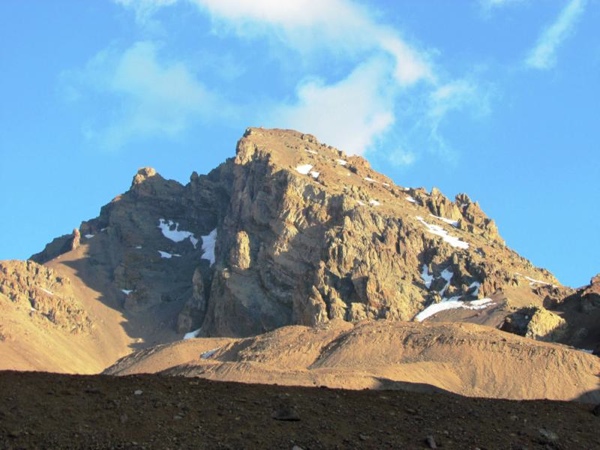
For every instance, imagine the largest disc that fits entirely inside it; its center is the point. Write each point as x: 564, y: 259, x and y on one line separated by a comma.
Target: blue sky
x: 496, y: 98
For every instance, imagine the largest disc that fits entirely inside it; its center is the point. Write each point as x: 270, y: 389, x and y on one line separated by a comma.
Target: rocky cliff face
x: 312, y: 235
x: 44, y: 295
x: 292, y: 231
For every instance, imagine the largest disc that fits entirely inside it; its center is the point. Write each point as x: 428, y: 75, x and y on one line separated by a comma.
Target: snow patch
x: 139, y: 247
x: 47, y: 291
x: 167, y: 255
x: 360, y: 203
x: 427, y: 279
x: 311, y: 151
x: 534, y: 281
x: 192, y: 334
x: 88, y: 236
x: 314, y: 174
x: 452, y: 303
x: 374, y: 202
x: 209, y: 354
x: 171, y: 231
x: 304, y: 169
x: 447, y: 275
x: 439, y: 231
x: 208, y: 246
x: 454, y: 223
x: 476, y: 285
x: 371, y: 180
x: 410, y: 199
x: 341, y: 162
x: 126, y: 291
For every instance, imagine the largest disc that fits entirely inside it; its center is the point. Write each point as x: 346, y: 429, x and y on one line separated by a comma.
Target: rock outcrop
x: 44, y: 295
x: 312, y: 235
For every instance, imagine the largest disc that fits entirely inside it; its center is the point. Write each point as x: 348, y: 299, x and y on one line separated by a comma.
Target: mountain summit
x: 290, y: 232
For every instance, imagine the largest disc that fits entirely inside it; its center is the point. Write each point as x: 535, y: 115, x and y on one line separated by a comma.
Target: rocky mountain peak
x: 293, y: 231
x: 143, y: 174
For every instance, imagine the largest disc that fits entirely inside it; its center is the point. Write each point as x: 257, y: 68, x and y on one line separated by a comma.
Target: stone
x: 547, y: 436
x: 430, y: 441
x: 286, y: 413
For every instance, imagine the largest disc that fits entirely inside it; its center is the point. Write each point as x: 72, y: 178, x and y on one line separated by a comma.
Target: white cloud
x: 156, y: 98
x: 352, y: 113
x: 339, y: 25
x: 379, y: 75
x: 349, y: 114
x: 543, y: 55
x: 456, y: 95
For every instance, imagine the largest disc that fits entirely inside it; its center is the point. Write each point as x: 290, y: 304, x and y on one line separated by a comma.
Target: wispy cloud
x: 339, y: 25
x: 349, y: 114
x: 372, y: 74
x: 155, y: 98
x: 543, y: 55
x: 353, y: 112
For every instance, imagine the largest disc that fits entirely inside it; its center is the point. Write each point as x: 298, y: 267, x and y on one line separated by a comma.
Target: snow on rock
x: 208, y: 246
x: 167, y: 255
x: 360, y: 203
x: 452, y: 303
x: 427, y: 278
x: 209, y: 354
x: 314, y: 174
x: 454, y: 223
x: 171, y: 231
x: 533, y: 281
x: 311, y: 151
x: 439, y: 231
x: 341, y: 162
x: 47, y: 292
x: 139, y: 247
x: 88, y: 236
x: 371, y: 180
x: 475, y: 285
x: 447, y: 275
x: 304, y: 169
x: 410, y: 199
x: 374, y: 202
x: 192, y: 334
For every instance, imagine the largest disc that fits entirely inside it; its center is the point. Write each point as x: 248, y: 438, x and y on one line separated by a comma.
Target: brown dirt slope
x: 52, y: 321
x: 39, y: 410
x: 465, y: 358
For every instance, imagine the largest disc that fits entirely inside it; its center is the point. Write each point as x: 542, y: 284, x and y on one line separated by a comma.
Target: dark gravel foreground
x: 42, y: 410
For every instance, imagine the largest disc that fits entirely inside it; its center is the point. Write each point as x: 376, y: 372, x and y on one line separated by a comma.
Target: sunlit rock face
x: 293, y: 231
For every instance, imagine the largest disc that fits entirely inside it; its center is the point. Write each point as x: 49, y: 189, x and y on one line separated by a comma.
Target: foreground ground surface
x: 41, y: 410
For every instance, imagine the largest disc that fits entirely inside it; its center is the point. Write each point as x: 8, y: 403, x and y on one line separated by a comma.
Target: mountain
x: 289, y: 232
